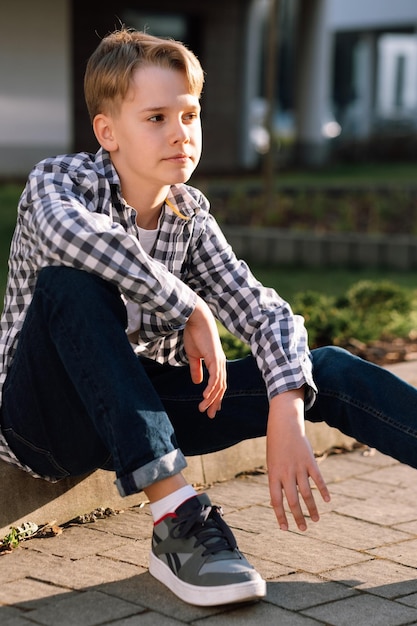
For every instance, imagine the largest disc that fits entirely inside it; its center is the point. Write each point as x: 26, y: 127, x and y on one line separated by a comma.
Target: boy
x: 117, y: 272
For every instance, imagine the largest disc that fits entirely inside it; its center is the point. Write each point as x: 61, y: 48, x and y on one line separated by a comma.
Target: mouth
x: 179, y: 158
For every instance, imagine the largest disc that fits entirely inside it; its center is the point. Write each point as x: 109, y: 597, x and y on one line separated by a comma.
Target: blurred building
x: 373, y: 89
x: 346, y: 77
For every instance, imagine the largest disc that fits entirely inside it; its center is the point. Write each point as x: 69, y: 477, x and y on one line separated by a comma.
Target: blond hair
x: 109, y: 69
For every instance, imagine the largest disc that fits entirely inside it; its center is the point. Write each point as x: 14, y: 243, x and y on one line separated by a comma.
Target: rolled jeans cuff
x: 164, y: 467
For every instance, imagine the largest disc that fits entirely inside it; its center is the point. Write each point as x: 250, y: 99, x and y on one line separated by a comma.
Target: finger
x: 321, y: 485
x: 282, y: 518
x: 215, y: 389
x: 212, y: 400
x: 196, y: 370
x: 307, y: 494
x: 293, y: 500
x: 308, y: 497
x: 213, y: 409
x: 277, y: 503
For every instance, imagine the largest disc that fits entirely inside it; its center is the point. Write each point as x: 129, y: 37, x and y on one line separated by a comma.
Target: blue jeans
x: 77, y: 398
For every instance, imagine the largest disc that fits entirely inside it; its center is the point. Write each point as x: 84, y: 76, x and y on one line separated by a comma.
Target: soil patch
x: 385, y: 352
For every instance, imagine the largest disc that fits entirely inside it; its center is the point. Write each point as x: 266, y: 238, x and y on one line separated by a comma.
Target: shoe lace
x: 208, y: 527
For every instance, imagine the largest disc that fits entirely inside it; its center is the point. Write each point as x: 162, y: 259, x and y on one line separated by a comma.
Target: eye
x: 190, y: 117
x: 158, y: 117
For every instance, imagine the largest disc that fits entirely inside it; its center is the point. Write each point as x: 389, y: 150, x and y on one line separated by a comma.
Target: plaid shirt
x: 71, y: 213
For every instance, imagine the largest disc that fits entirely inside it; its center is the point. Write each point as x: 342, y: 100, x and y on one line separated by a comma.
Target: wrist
x: 287, y: 410
x: 286, y: 399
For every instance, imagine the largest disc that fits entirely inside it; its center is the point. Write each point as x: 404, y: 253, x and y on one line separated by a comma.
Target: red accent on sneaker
x: 161, y: 519
x: 173, y: 514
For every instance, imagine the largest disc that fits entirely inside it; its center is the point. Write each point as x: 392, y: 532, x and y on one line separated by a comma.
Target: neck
x: 147, y: 204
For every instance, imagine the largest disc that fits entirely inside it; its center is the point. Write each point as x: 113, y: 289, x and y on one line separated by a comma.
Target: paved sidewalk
x: 356, y: 566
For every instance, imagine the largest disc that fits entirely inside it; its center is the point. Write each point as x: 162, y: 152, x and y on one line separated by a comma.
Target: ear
x: 103, y: 130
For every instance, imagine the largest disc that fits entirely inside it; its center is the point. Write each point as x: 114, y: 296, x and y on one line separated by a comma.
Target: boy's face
x: 155, y: 138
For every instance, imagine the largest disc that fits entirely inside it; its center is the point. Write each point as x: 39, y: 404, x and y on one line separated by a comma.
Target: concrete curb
x: 276, y: 247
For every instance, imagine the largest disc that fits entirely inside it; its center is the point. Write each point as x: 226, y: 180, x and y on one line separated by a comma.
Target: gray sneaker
x: 194, y: 553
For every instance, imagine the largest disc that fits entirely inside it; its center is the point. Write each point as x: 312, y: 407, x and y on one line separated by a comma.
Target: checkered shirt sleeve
x: 254, y: 313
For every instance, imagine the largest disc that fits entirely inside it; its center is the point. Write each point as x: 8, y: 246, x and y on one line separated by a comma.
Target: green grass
x: 368, y: 174
x: 365, y: 174
x: 333, y: 282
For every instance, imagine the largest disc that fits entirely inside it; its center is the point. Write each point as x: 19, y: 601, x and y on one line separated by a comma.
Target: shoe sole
x: 206, y: 596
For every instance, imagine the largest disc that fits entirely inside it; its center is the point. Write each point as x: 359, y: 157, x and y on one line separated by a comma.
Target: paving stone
x: 399, y: 475
x: 380, y: 511
x: 254, y: 519
x: 337, y: 501
x: 266, y: 515
x: 13, y: 617
x: 92, y: 570
x: 410, y: 600
x: 135, y: 524
x: 301, y: 552
x: 130, y: 551
x: 89, y: 609
x: 238, y: 494
x: 407, y: 527
x: 402, y: 493
x: 28, y: 592
x: 24, y: 562
x: 256, y: 614
x: 76, y: 542
x: 404, y: 552
x: 270, y: 570
x: 150, y: 618
x: 353, y: 533
x: 379, y: 577
x: 342, y: 466
x: 301, y: 591
x: 363, y: 609
x: 150, y: 593
x: 374, y: 458
x: 358, y: 488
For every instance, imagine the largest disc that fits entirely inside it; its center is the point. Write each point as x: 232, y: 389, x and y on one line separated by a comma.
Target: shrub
x: 372, y: 211
x: 369, y: 311
x: 380, y: 309
x: 323, y: 319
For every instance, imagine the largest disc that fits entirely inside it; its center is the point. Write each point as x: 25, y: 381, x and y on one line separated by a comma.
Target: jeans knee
x: 59, y: 280
x: 62, y: 276
x: 331, y: 364
x: 68, y: 289
x: 51, y: 271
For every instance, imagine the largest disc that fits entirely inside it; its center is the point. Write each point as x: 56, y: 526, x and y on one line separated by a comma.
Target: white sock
x: 171, y: 502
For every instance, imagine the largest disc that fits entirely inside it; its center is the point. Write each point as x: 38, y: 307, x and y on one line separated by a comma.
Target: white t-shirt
x: 147, y: 240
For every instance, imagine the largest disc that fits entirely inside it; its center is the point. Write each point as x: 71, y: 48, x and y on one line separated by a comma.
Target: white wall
x: 35, y: 82
x: 361, y: 14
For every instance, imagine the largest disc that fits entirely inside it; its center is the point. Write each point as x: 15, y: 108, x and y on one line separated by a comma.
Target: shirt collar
x: 105, y: 167
x: 184, y: 200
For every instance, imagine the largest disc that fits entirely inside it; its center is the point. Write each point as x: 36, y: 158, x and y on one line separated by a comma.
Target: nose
x: 180, y: 133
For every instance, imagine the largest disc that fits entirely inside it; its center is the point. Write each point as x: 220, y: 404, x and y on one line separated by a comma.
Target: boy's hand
x: 291, y: 462
x: 202, y: 342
